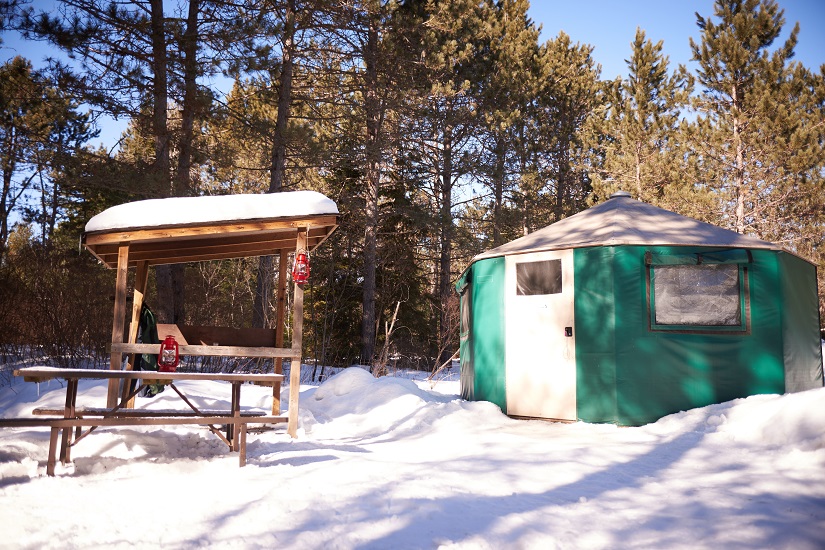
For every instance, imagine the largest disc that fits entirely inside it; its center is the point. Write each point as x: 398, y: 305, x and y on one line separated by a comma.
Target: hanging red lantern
x: 169, y: 355
x: 300, y: 269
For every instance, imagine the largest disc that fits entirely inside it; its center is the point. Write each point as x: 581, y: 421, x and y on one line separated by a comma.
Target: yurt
x: 626, y: 312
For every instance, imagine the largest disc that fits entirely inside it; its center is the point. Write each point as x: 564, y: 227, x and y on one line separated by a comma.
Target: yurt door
x: 541, y: 344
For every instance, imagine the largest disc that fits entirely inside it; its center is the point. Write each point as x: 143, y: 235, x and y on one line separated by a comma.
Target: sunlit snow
x: 396, y: 463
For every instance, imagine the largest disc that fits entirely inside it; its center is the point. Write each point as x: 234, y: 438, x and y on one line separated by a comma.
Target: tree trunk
x: 190, y: 98
x: 562, y: 178
x: 264, y: 284
x: 498, y: 187
x: 182, y: 184
x: 372, y: 174
x: 162, y: 166
x: 446, y: 223
x: 739, y: 174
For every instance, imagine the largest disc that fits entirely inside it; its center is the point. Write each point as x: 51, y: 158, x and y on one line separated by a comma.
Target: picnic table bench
x: 72, y: 419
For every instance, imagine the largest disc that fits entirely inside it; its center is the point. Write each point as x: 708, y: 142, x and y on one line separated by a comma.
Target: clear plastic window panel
x: 464, y: 306
x: 706, y: 295
x: 536, y: 278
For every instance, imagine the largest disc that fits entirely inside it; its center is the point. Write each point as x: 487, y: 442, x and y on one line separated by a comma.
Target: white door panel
x: 540, y: 356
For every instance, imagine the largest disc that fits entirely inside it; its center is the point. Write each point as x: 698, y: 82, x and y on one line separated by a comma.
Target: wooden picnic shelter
x: 192, y: 229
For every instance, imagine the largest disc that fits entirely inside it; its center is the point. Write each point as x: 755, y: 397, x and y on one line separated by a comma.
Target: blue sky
x: 610, y: 26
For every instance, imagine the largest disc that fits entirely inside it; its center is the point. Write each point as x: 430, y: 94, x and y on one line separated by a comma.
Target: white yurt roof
x: 623, y: 220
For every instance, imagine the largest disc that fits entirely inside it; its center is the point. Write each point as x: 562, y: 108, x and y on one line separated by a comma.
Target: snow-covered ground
x: 393, y: 463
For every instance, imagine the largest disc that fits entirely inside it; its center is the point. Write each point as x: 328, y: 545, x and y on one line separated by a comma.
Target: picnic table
x: 72, y: 419
x: 156, y: 232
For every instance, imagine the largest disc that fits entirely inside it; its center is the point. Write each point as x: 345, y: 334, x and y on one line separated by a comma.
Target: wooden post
x: 279, y: 329
x: 297, y: 345
x: 141, y: 278
x: 119, y: 319
x: 281, y: 307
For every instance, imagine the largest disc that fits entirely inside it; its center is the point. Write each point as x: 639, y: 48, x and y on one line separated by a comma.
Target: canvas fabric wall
x: 632, y: 375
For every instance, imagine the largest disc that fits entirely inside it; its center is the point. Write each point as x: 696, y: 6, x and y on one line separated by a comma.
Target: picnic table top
x: 38, y: 374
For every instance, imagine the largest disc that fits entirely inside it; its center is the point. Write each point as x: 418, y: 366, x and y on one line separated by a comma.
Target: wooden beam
x: 209, y: 351
x: 279, y: 326
x: 200, y: 230
x: 119, y: 319
x: 281, y: 300
x: 207, y: 242
x: 219, y: 336
x: 40, y: 374
x: 141, y: 278
x: 171, y: 253
x: 297, y: 346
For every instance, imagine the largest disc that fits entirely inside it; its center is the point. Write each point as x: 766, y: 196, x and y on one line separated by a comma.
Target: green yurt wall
x: 745, y: 322
x: 482, y: 342
x: 630, y: 374
x: 800, y: 324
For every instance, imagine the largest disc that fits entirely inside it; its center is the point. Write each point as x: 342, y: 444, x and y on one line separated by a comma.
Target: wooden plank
x: 169, y: 251
x: 165, y: 330
x: 137, y: 421
x: 52, y: 460
x: 100, y: 411
x: 116, y: 357
x: 242, y: 451
x: 208, y: 247
x: 297, y: 345
x: 141, y: 279
x: 280, y: 317
x: 280, y: 310
x: 39, y: 374
x: 209, y: 351
x: 219, y: 336
x: 183, y: 257
x: 199, y: 230
x: 264, y: 240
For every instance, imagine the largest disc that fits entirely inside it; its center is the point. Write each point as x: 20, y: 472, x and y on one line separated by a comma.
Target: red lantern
x: 300, y: 269
x: 169, y: 355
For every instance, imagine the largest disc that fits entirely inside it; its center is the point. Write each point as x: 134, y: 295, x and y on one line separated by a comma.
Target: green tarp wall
x: 482, y: 343
x: 630, y: 375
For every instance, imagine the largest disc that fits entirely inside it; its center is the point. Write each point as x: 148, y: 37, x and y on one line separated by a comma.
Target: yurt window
x: 684, y: 296
x: 537, y: 278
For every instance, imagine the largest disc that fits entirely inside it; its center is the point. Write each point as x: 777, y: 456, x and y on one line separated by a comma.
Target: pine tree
x: 510, y: 85
x: 567, y: 98
x: 40, y: 132
x: 453, y: 43
x: 638, y: 138
x: 759, y: 132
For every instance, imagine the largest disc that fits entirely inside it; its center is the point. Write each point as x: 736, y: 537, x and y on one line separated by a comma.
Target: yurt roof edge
x: 623, y: 221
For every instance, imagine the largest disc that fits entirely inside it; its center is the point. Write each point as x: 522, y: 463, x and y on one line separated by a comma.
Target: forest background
x: 440, y: 128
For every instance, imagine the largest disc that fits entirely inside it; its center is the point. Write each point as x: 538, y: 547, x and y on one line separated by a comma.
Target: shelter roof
x: 188, y: 229
x: 623, y: 220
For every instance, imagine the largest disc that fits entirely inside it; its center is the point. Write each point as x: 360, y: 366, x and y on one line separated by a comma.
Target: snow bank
x: 211, y: 209
x: 395, y: 463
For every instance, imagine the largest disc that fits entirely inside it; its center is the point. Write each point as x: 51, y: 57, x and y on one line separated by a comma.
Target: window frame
x: 559, y: 279
x: 744, y: 326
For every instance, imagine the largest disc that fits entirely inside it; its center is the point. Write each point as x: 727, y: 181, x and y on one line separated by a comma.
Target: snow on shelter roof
x: 175, y: 211
x: 186, y: 229
x: 623, y: 220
